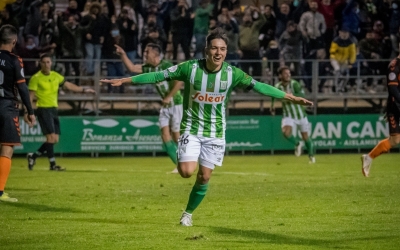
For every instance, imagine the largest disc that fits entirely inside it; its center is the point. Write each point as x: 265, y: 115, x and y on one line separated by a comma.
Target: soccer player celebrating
x: 293, y: 114
x: 208, y: 85
x: 392, y: 115
x: 171, y: 112
x: 44, y: 85
x: 11, y: 79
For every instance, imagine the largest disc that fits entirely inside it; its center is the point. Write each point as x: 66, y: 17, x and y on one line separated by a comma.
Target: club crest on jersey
x: 208, y: 98
x: 173, y: 68
x: 224, y: 84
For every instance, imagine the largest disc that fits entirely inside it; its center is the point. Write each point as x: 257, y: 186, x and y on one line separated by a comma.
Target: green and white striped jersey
x: 289, y: 109
x: 164, y: 87
x: 206, y: 95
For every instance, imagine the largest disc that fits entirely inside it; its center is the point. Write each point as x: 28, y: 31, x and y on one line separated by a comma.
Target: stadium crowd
x: 291, y: 32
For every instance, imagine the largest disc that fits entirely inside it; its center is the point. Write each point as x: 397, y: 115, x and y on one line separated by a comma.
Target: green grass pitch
x: 254, y: 202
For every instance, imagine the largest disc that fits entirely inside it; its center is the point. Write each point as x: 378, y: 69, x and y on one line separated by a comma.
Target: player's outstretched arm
x: 133, y: 68
x: 298, y: 100
x: 146, y: 78
x: 268, y: 90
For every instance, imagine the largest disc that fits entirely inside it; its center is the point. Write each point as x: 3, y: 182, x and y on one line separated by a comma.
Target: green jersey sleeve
x: 247, y: 82
x: 297, y: 89
x: 176, y: 72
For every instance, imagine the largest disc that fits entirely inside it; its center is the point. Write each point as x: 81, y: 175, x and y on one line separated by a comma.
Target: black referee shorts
x: 10, y: 132
x: 394, y: 123
x: 48, y: 120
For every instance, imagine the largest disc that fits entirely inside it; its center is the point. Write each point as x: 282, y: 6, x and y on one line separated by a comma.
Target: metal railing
x: 368, y: 87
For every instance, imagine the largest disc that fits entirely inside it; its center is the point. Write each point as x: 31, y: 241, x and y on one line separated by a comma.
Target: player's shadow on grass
x: 42, y: 208
x: 271, y: 238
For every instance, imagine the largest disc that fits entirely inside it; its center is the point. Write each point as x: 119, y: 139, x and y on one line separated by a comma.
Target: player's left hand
x: 166, y: 101
x: 302, y: 101
x: 30, y: 120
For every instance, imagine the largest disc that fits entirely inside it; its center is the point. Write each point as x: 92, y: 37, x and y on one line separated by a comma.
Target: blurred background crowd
x: 347, y: 36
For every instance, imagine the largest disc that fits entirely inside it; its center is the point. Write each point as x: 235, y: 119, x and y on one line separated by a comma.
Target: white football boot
x: 298, y: 149
x: 366, y: 164
x: 186, y: 219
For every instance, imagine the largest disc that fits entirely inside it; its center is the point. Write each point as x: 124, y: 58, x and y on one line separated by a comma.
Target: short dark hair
x: 155, y: 46
x: 281, y: 69
x: 8, y: 34
x: 45, y: 55
x: 217, y: 33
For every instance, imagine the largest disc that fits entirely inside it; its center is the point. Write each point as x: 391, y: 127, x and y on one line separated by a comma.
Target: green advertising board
x: 244, y: 133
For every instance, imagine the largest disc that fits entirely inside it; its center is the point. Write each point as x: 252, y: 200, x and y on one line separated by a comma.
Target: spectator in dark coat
x: 71, y: 34
x: 129, y: 32
x: 181, y: 28
x: 94, y: 37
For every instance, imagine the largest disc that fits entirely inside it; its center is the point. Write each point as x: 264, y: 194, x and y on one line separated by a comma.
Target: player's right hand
x: 113, y: 82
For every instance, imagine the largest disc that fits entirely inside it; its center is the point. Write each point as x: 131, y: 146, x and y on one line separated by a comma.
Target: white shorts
x: 207, y: 151
x: 172, y: 117
x: 302, y: 123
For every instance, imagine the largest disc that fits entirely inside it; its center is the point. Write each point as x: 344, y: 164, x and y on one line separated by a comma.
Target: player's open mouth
x: 217, y: 58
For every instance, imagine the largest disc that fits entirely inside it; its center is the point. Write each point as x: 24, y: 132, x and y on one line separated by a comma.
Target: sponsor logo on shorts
x: 208, y: 98
x: 217, y: 147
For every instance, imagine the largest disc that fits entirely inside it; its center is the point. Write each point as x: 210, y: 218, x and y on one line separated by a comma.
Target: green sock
x: 292, y: 140
x: 196, y: 196
x: 310, y: 147
x: 171, y: 148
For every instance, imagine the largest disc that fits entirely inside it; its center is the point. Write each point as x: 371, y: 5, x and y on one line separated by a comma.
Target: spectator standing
x: 72, y: 10
x: 290, y: 47
x: 267, y: 31
x: 327, y: 9
x: 312, y: 26
x: 71, y: 34
x: 152, y: 33
x: 181, y: 29
x: 115, y: 67
x: 282, y: 14
x: 350, y: 20
x: 129, y: 32
x: 249, y: 31
x: 200, y: 30
x: 94, y: 37
x: 394, y: 25
x: 227, y: 23
x: 342, y: 55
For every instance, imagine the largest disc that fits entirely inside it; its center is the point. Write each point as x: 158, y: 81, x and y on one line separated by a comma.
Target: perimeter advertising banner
x: 141, y: 134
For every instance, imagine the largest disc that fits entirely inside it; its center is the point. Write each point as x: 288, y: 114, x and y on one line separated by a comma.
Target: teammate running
x: 171, y: 112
